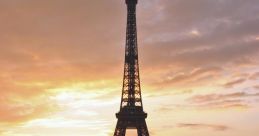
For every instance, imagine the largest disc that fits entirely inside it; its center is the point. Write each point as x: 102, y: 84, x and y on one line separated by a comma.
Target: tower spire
x: 131, y: 114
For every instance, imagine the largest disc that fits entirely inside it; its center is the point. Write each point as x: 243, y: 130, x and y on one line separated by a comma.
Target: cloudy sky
x: 62, y: 65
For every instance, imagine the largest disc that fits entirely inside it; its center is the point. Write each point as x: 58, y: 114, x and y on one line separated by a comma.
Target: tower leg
x: 142, y: 129
x: 120, y: 129
x: 122, y: 125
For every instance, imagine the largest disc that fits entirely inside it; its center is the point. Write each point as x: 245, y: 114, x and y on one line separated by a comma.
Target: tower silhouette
x: 131, y: 114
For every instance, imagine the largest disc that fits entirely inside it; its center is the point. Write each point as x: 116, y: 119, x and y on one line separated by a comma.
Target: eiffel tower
x: 131, y: 114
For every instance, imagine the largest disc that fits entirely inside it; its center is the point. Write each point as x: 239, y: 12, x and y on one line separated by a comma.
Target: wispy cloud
x: 223, y: 101
x: 237, y: 100
x: 194, y: 76
x: 203, y: 126
x: 254, y: 76
x: 256, y: 87
x: 219, y: 97
x: 234, y: 82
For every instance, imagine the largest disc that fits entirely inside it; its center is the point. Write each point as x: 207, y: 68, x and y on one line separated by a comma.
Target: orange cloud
x: 17, y: 111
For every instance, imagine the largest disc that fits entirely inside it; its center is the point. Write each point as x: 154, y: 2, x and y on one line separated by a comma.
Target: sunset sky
x: 62, y: 61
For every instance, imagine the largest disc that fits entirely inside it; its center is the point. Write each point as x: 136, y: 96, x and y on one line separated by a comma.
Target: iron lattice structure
x: 131, y: 114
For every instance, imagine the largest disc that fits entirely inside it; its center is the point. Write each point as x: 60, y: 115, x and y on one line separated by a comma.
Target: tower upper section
x: 131, y: 1
x: 131, y: 91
